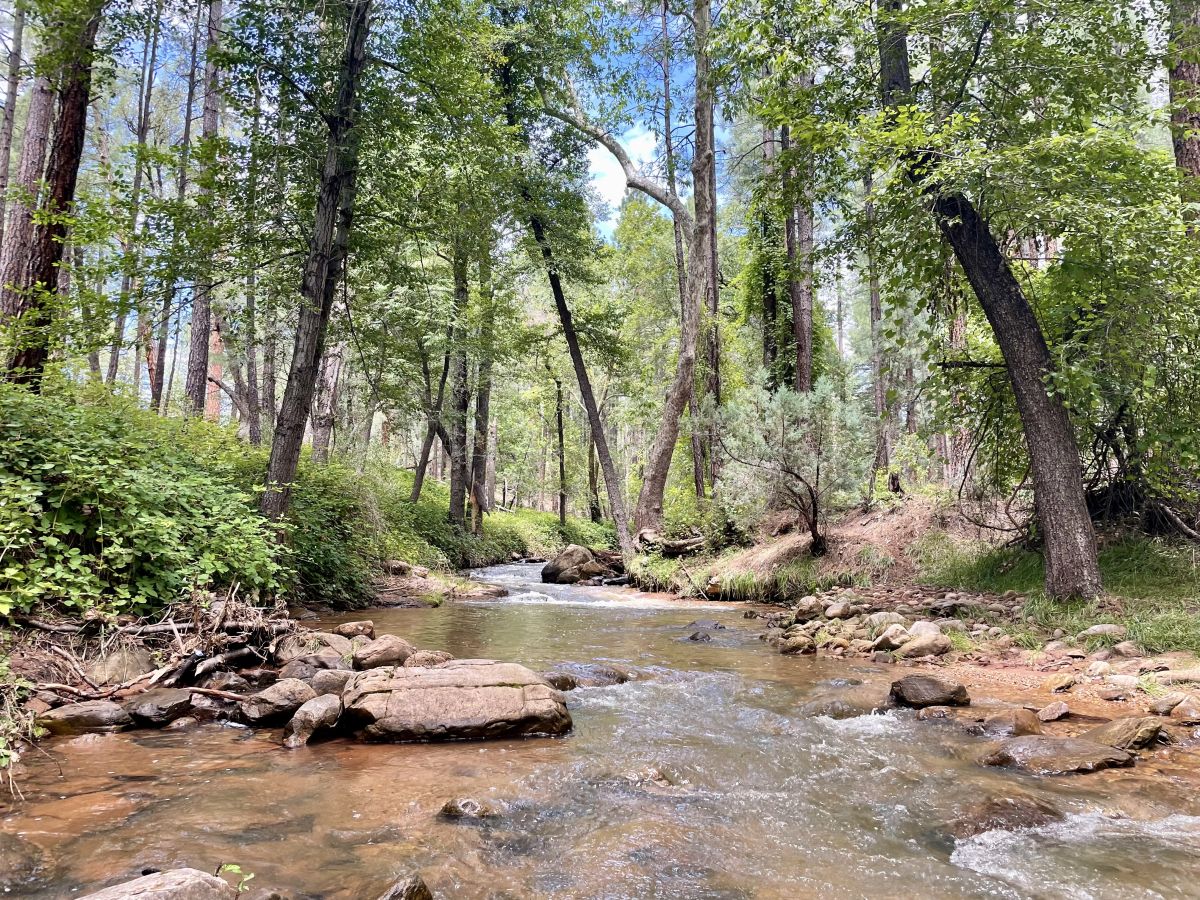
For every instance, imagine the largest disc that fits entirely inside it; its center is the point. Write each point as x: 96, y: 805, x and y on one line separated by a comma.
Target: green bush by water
x: 104, y: 505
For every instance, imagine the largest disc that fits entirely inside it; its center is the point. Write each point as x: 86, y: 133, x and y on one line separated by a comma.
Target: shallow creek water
x: 767, y: 803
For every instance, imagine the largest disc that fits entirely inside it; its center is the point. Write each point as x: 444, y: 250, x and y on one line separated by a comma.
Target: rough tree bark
x: 883, y: 425
x: 323, y: 267
x: 196, y: 384
x: 11, y: 93
x: 562, y: 452
x: 1072, y: 568
x: 14, y: 255
x: 433, y: 413
x: 1184, y: 67
x: 62, y: 174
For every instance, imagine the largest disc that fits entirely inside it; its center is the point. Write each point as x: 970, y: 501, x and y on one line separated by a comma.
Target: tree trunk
x: 460, y: 391
x: 160, y: 393
x: 323, y: 268
x: 62, y: 174
x: 594, y: 512
x: 798, y: 240
x: 562, y: 452
x: 195, y: 387
x: 648, y: 512
x: 1184, y: 68
x: 324, y: 410
x: 480, y: 502
x: 15, y: 253
x: 1072, y: 567
x: 677, y: 227
x: 883, y: 453
x: 12, y: 92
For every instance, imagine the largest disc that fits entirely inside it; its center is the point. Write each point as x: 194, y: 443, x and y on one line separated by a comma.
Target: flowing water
x: 762, y: 802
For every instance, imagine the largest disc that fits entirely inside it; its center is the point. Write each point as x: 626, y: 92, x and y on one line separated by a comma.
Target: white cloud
x: 608, y: 181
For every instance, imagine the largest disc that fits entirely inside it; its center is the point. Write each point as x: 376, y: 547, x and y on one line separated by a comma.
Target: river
x: 762, y: 802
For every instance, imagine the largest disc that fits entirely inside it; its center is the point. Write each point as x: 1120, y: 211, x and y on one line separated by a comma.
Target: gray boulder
x: 572, y: 556
x: 428, y: 658
x: 463, y: 698
x: 158, y: 706
x: 918, y: 691
x: 385, y: 650
x: 276, y: 703
x: 331, y: 681
x: 318, y: 714
x: 88, y: 716
x: 364, y: 628
x: 925, y: 645
x: 121, y: 665
x: 177, y: 884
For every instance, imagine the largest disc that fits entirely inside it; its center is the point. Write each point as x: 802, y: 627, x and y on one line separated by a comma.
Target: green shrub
x: 102, y: 504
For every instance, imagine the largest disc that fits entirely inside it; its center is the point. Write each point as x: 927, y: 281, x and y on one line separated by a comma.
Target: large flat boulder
x: 1131, y: 733
x: 87, y: 716
x: 177, y: 884
x: 1044, y: 755
x: 459, y: 699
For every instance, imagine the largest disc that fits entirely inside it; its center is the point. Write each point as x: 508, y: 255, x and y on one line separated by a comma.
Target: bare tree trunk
x: 159, y: 397
x: 195, y: 387
x: 798, y: 239
x: 562, y: 452
x: 460, y: 392
x: 680, y: 263
x: 480, y: 501
x: 1072, y: 567
x: 1184, y: 68
x: 324, y: 410
x: 62, y: 174
x: 883, y: 450
x: 323, y: 268
x: 12, y: 92
x: 594, y: 512
x: 492, y: 453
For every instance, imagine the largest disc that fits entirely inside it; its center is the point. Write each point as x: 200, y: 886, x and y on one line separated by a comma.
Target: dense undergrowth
x: 106, y: 506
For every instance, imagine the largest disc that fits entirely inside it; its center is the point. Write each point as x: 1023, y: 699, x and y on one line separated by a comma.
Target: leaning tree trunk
x: 1072, y: 567
x: 1184, y: 68
x: 62, y: 174
x: 325, y: 402
x: 196, y: 385
x: 323, y: 268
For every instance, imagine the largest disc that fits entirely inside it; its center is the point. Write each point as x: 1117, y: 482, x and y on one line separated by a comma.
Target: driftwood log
x: 653, y: 542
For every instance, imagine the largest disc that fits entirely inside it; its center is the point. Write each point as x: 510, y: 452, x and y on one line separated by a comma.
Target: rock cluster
x: 348, y: 680
x: 580, y: 565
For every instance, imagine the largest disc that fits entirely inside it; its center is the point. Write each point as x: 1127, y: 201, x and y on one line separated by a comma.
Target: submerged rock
x: 88, y: 716
x: 925, y: 690
x: 1132, y: 733
x: 864, y: 701
x: 1004, y: 813
x: 159, y: 706
x: 1043, y: 755
x: 700, y: 637
x: 277, y: 702
x: 464, y: 698
x: 1012, y: 723
x: 407, y: 887
x: 469, y: 808
x: 177, y: 884
x: 318, y: 714
x: 587, y: 675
